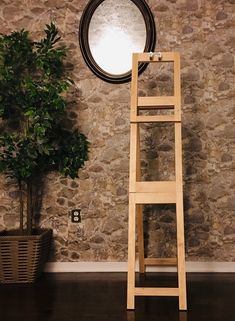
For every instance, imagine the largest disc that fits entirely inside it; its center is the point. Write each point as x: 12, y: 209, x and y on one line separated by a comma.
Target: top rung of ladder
x: 156, y: 102
x: 157, y: 56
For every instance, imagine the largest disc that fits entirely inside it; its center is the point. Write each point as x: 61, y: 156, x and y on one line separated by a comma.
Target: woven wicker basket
x: 22, y: 258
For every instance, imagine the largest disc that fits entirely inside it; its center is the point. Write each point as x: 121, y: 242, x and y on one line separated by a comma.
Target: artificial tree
x: 33, y: 138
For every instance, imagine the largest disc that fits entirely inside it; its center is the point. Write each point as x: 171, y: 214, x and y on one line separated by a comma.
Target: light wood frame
x: 158, y: 192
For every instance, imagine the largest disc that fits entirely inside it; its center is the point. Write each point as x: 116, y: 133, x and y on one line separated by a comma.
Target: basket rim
x: 41, y: 232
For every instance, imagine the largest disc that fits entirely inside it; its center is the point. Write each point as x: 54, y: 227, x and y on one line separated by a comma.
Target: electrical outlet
x: 76, y: 216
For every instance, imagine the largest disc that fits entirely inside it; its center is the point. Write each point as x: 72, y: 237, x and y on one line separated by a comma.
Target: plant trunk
x: 29, y: 207
x: 21, y: 208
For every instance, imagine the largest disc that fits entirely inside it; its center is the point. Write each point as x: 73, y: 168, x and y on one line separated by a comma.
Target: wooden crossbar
x: 154, y: 119
x: 165, y: 57
x: 156, y: 192
x: 160, y: 261
x: 154, y: 187
x: 154, y: 198
x: 157, y: 102
x: 156, y: 291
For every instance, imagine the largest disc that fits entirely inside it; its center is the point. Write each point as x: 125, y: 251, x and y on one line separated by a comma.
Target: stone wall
x: 202, y: 31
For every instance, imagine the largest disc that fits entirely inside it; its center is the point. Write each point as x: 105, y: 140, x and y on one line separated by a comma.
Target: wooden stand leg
x: 131, y: 254
x: 181, y: 264
x: 140, y: 235
x: 180, y: 219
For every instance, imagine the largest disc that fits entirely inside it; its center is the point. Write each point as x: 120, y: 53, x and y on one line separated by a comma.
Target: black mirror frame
x: 85, y: 48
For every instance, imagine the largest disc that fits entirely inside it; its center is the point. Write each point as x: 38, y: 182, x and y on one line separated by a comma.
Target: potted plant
x: 33, y: 140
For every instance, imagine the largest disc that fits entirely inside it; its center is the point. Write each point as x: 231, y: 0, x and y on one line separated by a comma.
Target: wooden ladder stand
x: 154, y: 192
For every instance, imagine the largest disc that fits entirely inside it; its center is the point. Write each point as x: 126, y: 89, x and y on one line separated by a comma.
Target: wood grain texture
x: 166, y: 192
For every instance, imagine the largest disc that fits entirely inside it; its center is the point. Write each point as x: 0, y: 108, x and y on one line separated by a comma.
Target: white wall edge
x: 221, y: 267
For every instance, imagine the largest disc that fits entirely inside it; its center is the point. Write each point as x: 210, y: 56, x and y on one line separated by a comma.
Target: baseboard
x: 223, y: 267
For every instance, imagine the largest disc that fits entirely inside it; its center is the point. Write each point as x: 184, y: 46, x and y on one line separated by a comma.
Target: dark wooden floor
x: 102, y: 297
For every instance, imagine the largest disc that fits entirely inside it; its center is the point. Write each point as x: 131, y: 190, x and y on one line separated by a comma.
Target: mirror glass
x: 116, y: 30
x: 110, y: 31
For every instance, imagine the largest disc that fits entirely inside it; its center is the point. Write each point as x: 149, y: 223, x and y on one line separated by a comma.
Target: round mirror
x: 110, y: 31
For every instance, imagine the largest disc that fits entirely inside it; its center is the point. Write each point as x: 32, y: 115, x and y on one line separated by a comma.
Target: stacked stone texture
x: 203, y: 32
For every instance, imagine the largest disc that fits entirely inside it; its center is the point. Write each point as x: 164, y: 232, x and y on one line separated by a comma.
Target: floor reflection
x: 135, y: 316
